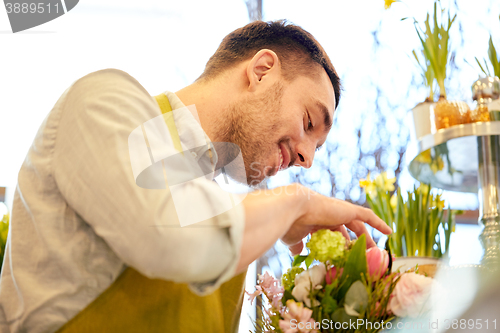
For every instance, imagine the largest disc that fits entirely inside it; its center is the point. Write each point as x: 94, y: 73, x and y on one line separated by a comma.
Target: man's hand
x: 329, y: 213
x: 295, y: 211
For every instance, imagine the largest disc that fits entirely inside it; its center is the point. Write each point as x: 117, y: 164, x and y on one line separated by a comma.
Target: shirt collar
x: 189, y: 128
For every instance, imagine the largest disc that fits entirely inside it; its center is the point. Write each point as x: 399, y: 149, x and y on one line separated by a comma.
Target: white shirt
x: 79, y: 219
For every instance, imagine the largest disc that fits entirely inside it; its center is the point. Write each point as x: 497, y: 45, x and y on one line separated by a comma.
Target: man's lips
x: 284, y: 157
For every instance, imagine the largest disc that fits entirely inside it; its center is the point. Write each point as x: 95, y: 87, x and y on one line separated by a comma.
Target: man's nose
x: 305, y: 154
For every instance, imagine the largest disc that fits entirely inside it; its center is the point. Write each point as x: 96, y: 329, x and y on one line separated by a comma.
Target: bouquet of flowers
x: 340, y: 286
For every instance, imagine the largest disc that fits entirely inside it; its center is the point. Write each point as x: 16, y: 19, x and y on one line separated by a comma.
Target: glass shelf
x: 448, y: 159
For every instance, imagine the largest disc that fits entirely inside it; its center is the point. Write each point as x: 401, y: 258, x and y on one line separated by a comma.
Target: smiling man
x: 89, y: 250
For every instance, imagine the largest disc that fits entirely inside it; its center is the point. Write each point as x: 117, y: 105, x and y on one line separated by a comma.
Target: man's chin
x: 252, y: 182
x: 256, y: 178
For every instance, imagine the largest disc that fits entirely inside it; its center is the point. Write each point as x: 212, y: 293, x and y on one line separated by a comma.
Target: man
x: 90, y: 250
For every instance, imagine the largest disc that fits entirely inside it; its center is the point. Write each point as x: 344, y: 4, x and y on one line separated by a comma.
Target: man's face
x: 283, y: 126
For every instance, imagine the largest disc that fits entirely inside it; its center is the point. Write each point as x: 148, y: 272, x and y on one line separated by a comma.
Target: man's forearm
x: 268, y: 216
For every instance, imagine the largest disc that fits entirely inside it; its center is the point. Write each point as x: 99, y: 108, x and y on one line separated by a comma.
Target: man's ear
x: 263, y: 68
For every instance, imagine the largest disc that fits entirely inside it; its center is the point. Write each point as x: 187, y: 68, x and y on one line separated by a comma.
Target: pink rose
x: 410, y: 296
x: 378, y: 262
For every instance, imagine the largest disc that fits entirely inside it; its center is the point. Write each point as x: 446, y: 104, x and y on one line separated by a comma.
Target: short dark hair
x: 297, y: 50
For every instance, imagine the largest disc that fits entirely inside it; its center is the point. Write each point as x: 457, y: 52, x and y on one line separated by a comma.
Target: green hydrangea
x: 327, y: 245
x: 288, y: 279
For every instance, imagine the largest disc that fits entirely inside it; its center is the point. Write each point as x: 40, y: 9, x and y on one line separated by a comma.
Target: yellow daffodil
x: 440, y: 163
x: 369, y: 186
x: 384, y: 183
x: 388, y: 3
x: 394, y: 201
x: 437, y: 165
x: 365, y: 182
x: 424, y: 188
x: 424, y: 157
x: 434, y: 168
x: 438, y: 202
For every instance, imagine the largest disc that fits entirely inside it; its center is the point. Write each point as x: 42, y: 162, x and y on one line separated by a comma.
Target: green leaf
x: 435, y: 44
x: 309, y: 261
x: 329, y: 304
x: 448, y: 230
x: 492, y: 54
x: 330, y: 287
x: 357, y: 297
x: 487, y: 67
x: 355, y: 265
x: 298, y: 259
x: 341, y: 316
x: 374, y: 207
x: 482, y: 69
x: 286, y: 296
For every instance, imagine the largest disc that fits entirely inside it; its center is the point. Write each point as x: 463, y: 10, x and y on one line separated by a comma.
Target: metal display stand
x: 466, y: 158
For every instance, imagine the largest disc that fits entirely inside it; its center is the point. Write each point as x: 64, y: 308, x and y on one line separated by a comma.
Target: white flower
x: 313, y: 276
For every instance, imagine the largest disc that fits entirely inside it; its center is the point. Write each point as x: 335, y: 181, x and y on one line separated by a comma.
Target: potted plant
x: 421, y: 112
x: 435, y: 44
x: 421, y: 226
x: 430, y: 117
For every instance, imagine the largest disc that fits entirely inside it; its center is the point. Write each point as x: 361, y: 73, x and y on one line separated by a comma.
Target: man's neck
x: 211, y: 100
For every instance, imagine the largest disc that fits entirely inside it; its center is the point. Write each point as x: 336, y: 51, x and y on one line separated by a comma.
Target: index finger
x: 359, y: 229
x: 369, y: 217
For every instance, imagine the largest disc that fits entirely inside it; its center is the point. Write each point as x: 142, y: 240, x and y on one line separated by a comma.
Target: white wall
x: 163, y: 44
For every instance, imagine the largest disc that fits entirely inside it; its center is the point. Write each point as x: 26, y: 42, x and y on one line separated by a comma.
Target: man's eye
x: 309, y: 124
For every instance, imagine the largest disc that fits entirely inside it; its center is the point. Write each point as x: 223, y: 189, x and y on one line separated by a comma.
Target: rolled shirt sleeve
x: 93, y: 171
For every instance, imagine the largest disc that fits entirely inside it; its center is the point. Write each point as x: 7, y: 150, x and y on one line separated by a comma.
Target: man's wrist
x: 301, y: 196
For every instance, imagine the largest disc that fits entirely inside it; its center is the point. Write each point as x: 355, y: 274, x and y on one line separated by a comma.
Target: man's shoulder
x: 108, y: 73
x: 109, y: 91
x: 108, y: 79
x: 111, y: 74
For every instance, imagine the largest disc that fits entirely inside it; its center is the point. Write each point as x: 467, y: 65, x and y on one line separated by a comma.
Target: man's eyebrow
x: 326, y: 116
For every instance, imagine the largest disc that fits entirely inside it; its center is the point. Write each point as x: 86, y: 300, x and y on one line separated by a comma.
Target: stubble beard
x: 252, y: 124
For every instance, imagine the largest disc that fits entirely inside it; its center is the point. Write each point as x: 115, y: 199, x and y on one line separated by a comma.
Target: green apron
x: 135, y: 303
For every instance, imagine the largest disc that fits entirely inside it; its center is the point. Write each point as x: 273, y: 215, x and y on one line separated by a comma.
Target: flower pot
x: 426, y: 265
x: 449, y: 113
x: 422, y: 119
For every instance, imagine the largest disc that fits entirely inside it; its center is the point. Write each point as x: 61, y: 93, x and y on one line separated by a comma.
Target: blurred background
x: 165, y: 45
